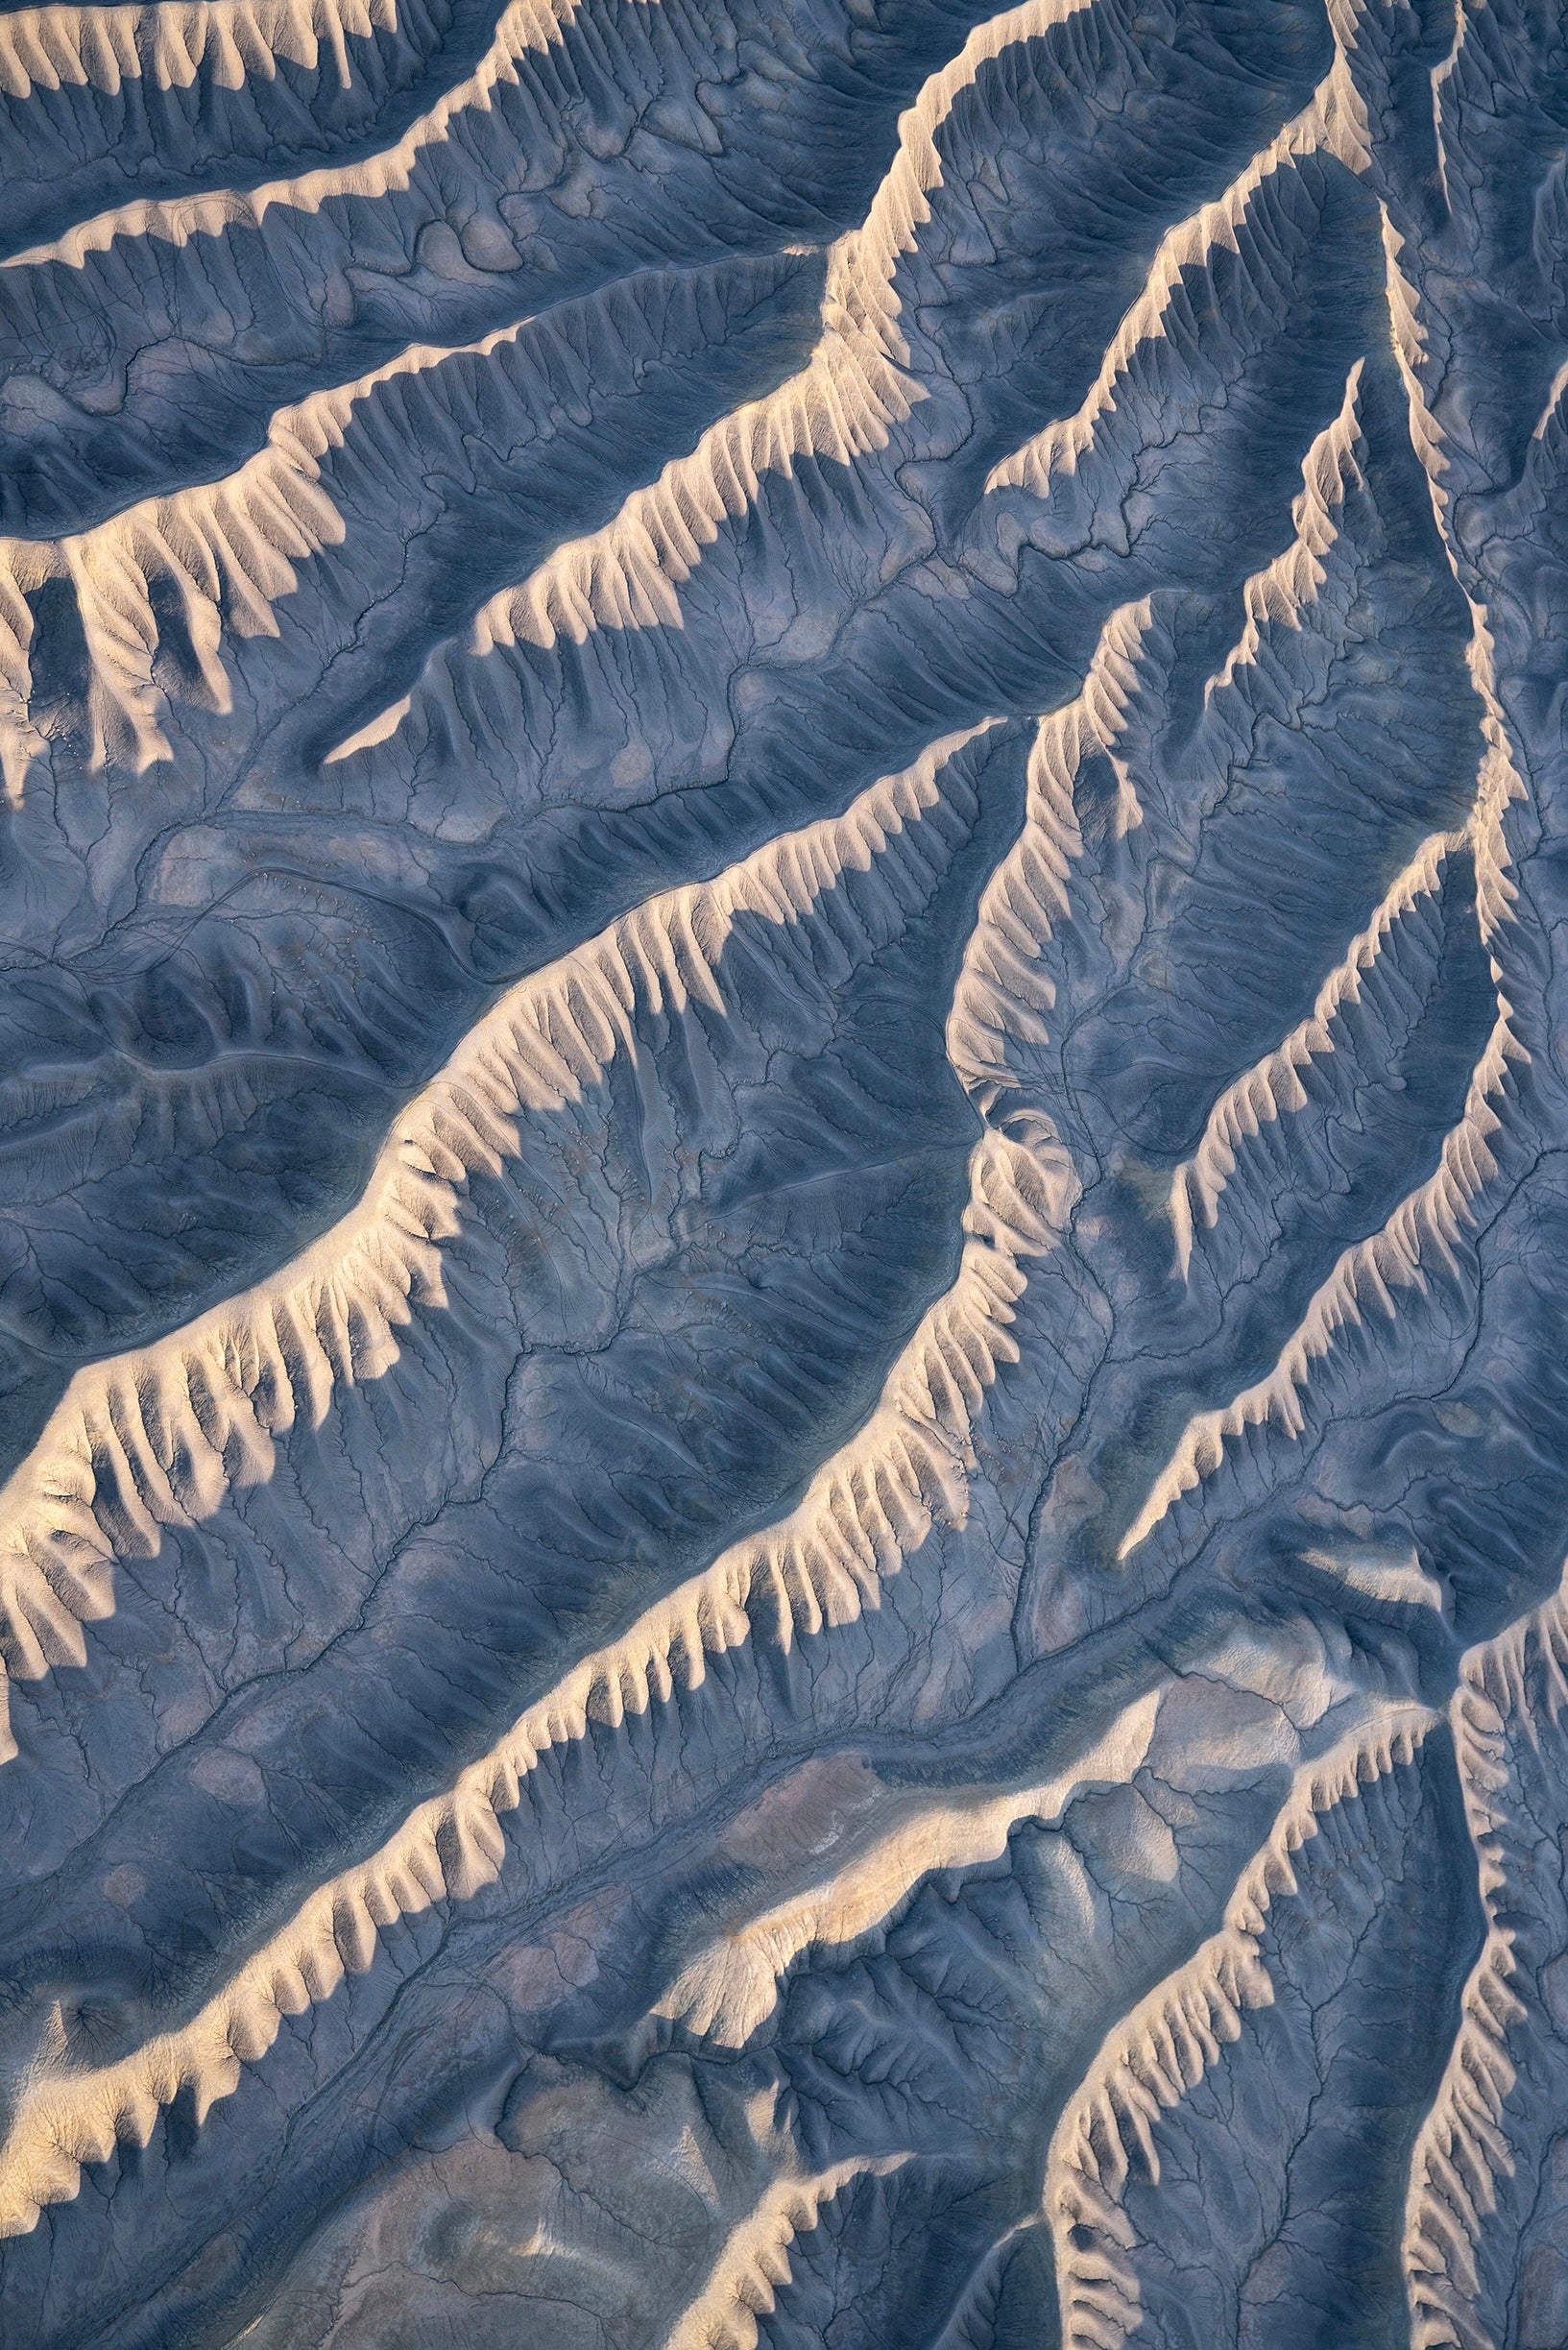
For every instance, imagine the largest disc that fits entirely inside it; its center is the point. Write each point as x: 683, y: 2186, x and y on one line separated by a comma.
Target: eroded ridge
x: 781, y: 1123
x: 1110, y: 2134
x: 210, y: 565
x: 157, y: 1439
x: 1483, y: 2219
x: 906, y: 1467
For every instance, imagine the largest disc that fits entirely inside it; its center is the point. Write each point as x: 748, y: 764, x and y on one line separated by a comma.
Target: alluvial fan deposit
x: 783, y: 1174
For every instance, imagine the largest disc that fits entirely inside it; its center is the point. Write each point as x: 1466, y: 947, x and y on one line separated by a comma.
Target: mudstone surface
x: 783, y: 1174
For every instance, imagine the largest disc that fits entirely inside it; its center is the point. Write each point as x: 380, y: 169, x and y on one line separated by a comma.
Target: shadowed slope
x: 781, y: 1149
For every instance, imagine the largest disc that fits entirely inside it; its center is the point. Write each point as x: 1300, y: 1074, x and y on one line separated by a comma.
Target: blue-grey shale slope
x: 783, y: 1123
x: 112, y: 103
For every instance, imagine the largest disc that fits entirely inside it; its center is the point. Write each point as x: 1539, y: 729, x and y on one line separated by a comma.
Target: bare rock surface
x: 783, y: 1176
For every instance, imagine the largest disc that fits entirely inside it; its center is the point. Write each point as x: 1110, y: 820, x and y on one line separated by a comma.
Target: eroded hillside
x: 783, y: 1176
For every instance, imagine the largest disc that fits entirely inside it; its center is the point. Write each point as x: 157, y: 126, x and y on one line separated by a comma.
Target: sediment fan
x: 783, y: 1176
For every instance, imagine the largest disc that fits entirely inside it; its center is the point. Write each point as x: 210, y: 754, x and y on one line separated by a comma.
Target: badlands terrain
x: 783, y: 1174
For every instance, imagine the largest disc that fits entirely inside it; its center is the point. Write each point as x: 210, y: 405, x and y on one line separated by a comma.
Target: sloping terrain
x: 783, y: 1176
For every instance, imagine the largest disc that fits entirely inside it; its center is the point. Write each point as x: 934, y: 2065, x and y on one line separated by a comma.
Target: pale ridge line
x: 229, y: 547
x: 1163, y: 2046
x: 820, y: 1566
x: 1501, y: 782
x: 875, y: 1501
x: 1431, y: 1218
x: 1439, y: 1211
x: 234, y: 540
x: 731, y: 1989
x: 1001, y: 996
x: 743, y: 2281
x: 1462, y: 2147
x: 841, y: 405
x: 1463, y: 2150
x: 1029, y: 893
x: 159, y: 1436
x: 1274, y: 1087
x: 1293, y: 585
x: 526, y: 27
x: 168, y: 44
x: 1333, y: 122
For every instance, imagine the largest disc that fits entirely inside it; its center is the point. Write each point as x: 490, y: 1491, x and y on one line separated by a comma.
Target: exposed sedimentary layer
x: 784, y: 1433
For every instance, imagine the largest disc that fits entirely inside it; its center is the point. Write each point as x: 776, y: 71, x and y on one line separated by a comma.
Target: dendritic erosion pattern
x: 783, y: 1174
